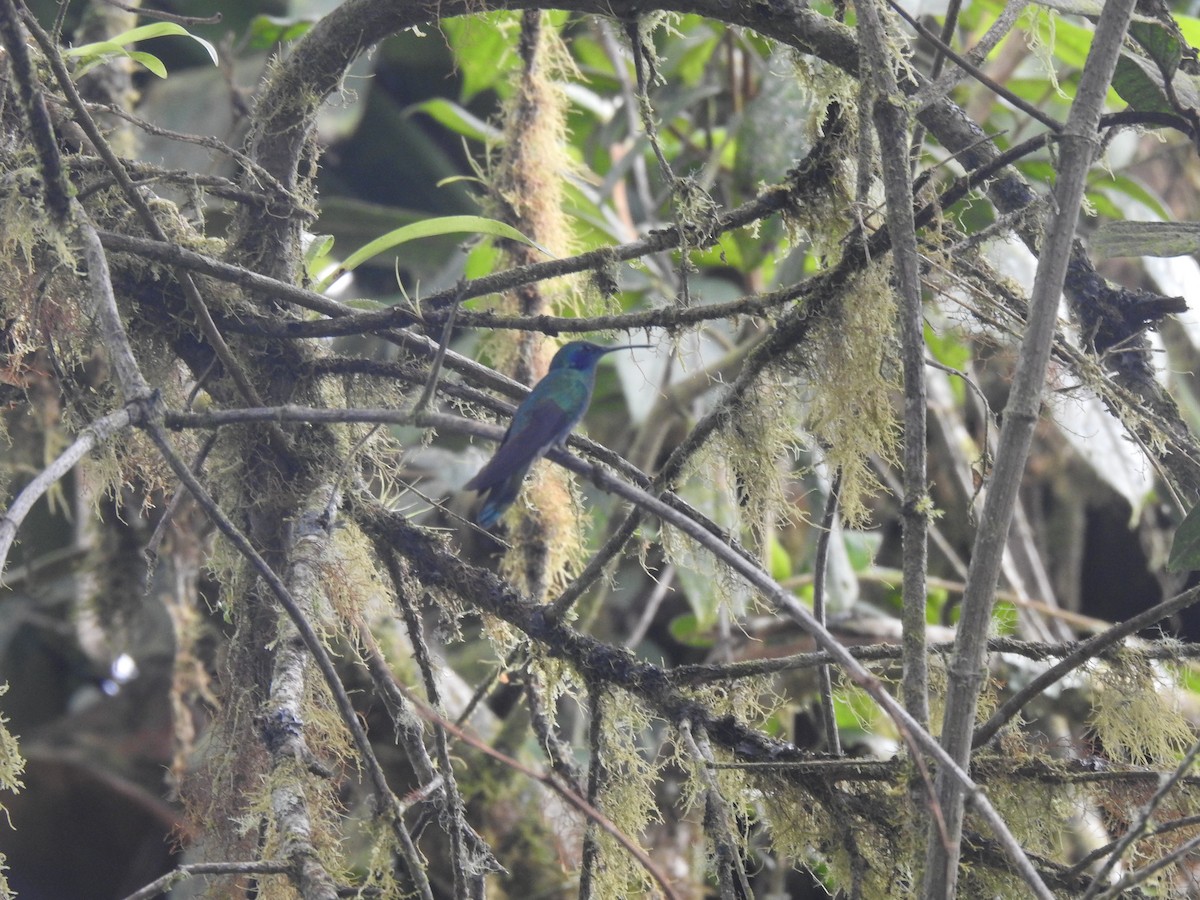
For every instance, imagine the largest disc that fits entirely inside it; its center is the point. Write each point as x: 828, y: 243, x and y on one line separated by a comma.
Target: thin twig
x: 99, y: 432
x: 214, y: 19
x: 150, y: 550
x: 731, y: 873
x: 406, y: 713
x: 820, y: 566
x: 641, y: 70
x: 1100, y: 852
x: 134, y: 197
x: 966, y: 672
x: 209, y: 142
x: 994, y: 86
x: 1084, y: 653
x: 1138, y: 827
x: 194, y: 870
x: 1138, y: 876
x: 589, y: 811
x: 892, y: 124
x: 662, y: 587
x: 435, y: 368
x: 453, y: 802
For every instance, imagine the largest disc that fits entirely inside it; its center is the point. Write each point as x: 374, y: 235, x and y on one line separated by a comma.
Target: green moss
x: 862, y: 839
x: 626, y: 793
x: 853, y: 380
x: 758, y: 443
x: 1135, y: 715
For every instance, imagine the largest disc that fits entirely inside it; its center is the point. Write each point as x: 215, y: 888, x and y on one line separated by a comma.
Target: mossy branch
x: 436, y: 566
x: 1021, y: 414
x: 892, y: 124
x: 313, y: 644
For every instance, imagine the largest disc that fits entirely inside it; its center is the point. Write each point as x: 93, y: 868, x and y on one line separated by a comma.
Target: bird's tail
x: 499, y: 498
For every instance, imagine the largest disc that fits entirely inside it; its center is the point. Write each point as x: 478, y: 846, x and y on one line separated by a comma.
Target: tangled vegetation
x: 824, y: 606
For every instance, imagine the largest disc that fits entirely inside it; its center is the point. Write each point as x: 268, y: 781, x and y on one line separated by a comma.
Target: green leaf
x: 150, y: 61
x: 1135, y: 190
x: 315, y: 253
x: 687, y: 631
x: 1140, y: 85
x: 456, y: 118
x: 267, y: 31
x: 98, y: 53
x: 781, y: 560
x: 93, y: 54
x: 424, y: 229
x: 1162, y: 47
x: 481, y: 260
x: 693, y: 62
x: 1185, y: 550
x: 1145, y: 239
x: 1102, y: 204
x: 482, y: 48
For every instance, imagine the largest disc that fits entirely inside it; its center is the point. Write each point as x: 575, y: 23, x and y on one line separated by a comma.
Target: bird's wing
x: 539, y: 423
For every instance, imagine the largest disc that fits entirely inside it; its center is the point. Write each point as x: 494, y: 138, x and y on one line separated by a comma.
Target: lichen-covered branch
x: 1020, y: 417
x: 892, y: 126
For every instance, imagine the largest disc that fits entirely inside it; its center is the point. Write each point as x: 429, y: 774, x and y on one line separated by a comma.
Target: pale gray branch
x: 966, y: 670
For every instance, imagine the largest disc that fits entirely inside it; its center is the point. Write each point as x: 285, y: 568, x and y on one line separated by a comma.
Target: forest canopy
x: 851, y: 556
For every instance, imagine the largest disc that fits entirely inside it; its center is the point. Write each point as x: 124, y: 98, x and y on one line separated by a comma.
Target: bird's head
x: 583, y: 355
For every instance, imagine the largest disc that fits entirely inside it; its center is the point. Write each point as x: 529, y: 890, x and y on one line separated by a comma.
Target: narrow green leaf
x: 1185, y: 550
x: 150, y: 61
x: 318, y: 247
x: 456, y: 118
x: 1135, y: 190
x: 483, y: 259
x: 115, y: 46
x: 315, y: 252
x: 146, y: 32
x: 424, y: 229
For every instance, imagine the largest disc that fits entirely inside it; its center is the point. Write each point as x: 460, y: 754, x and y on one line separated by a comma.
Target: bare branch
x: 194, y: 870
x: 99, y: 432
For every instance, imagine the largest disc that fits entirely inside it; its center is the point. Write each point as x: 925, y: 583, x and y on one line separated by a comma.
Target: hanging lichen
x: 863, y: 836
x: 12, y: 767
x: 760, y: 437
x: 852, y: 376
x: 527, y: 189
x: 1134, y: 716
x: 625, y: 793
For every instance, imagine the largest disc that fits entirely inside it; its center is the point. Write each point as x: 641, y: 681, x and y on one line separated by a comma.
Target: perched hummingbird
x: 542, y: 421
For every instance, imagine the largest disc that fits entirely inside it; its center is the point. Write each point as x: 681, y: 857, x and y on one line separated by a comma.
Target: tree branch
x: 1021, y: 415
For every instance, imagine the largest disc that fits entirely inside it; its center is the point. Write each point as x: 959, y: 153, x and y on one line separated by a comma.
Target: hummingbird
x: 542, y: 421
